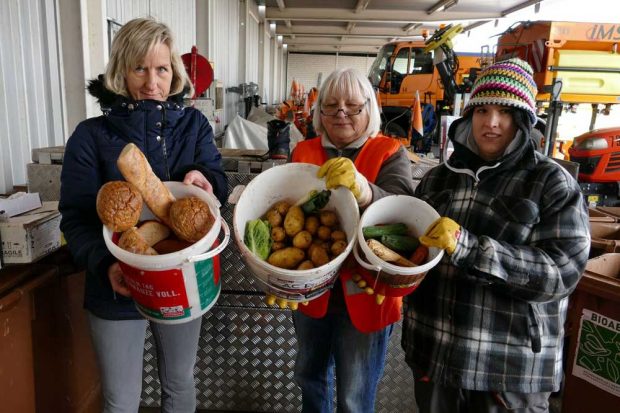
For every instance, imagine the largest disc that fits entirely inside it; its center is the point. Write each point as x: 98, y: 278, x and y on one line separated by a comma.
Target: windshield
x: 378, y: 66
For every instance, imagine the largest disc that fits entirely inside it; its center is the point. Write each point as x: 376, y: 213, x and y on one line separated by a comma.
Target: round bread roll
x: 190, y: 218
x: 119, y: 205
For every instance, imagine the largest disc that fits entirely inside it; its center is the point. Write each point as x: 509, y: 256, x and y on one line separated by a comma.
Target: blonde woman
x: 141, y: 96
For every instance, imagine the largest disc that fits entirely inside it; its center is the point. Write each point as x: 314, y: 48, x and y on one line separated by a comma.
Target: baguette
x: 136, y: 169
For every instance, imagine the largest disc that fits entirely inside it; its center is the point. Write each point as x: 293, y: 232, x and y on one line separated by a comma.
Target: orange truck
x: 575, y: 63
x: 405, y: 67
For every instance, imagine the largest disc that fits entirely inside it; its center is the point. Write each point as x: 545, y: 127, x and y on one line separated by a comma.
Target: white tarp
x: 251, y: 133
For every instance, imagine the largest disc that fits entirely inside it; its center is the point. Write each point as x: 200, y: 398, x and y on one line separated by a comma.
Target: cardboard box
x: 28, y: 237
x: 18, y: 204
x: 605, y: 237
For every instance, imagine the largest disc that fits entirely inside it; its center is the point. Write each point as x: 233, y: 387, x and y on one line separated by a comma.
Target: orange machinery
x: 298, y: 108
x: 404, y: 68
x: 575, y: 63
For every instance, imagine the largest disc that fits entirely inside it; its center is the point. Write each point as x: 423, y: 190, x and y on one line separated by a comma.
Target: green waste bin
x: 592, y: 381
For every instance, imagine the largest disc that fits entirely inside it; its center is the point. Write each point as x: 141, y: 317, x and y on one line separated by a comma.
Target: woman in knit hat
x: 484, y: 331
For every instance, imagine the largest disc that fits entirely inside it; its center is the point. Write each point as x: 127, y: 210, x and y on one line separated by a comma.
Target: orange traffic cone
x: 417, y: 125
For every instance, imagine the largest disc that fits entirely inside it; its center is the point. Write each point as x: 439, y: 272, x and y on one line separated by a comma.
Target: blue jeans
x: 119, y: 346
x: 358, y: 358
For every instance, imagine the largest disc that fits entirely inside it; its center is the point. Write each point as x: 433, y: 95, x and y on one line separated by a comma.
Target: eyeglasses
x: 349, y: 110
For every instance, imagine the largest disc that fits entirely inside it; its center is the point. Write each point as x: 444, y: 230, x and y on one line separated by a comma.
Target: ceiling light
x: 411, y: 26
x: 442, y: 5
x: 520, y: 7
x: 272, y: 27
x: 475, y: 24
x: 261, y: 10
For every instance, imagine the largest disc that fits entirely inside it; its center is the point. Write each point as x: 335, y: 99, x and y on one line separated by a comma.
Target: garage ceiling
x: 363, y: 26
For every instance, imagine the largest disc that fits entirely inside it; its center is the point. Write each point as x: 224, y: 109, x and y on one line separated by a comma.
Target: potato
x: 302, y: 240
x: 282, y: 207
x: 288, y: 257
x: 338, y: 235
x: 338, y: 247
x: 312, y: 224
x: 328, y: 218
x: 294, y: 221
x: 278, y: 234
x: 305, y: 265
x: 324, y: 233
x: 318, y: 255
x: 274, y: 218
x: 277, y: 246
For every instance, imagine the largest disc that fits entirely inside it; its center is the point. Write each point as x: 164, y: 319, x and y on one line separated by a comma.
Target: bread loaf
x: 136, y: 169
x: 153, y: 232
x: 191, y: 218
x: 132, y: 241
x: 119, y: 205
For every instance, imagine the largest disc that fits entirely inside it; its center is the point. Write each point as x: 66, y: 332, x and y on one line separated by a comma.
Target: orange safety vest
x: 366, y: 315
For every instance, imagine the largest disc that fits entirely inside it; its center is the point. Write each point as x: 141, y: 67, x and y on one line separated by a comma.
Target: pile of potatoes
x: 303, y: 242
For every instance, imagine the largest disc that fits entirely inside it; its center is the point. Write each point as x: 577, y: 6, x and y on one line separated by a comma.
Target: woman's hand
x: 341, y: 172
x: 443, y: 233
x: 198, y: 179
x: 115, y: 274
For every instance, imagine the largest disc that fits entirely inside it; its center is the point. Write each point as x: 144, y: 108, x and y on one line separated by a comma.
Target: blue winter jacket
x: 175, y: 140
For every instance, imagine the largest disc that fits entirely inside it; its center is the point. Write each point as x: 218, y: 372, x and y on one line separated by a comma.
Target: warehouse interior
x: 259, y: 53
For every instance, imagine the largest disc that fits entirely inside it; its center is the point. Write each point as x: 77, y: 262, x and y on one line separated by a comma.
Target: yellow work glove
x: 341, y: 172
x: 281, y: 302
x: 443, y: 233
x: 361, y: 283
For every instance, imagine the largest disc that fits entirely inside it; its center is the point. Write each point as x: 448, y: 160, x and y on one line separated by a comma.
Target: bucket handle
x: 216, y: 250
x: 363, y: 263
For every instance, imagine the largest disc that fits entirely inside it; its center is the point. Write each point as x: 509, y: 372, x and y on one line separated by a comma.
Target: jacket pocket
x: 535, y: 328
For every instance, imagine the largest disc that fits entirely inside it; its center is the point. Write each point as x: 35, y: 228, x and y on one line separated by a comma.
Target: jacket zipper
x: 163, y: 141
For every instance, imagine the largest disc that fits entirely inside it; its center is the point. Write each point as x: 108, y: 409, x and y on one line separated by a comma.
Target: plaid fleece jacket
x: 491, y: 316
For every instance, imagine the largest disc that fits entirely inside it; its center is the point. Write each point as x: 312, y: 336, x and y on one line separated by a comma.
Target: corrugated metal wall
x: 251, y: 49
x: 31, y: 91
x: 223, y: 45
x: 306, y: 68
x: 267, y: 72
x: 179, y: 15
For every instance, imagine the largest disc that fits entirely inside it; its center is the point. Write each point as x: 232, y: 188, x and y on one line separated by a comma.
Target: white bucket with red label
x: 292, y: 182
x: 181, y: 286
x: 418, y: 216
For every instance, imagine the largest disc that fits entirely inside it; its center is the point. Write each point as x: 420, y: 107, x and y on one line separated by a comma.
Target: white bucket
x: 181, y: 286
x: 291, y: 182
x: 418, y: 216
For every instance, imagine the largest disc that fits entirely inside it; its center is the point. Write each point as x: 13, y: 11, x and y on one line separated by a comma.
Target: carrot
x: 419, y: 255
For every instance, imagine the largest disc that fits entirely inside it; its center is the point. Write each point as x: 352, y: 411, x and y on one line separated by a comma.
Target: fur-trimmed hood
x: 106, y: 98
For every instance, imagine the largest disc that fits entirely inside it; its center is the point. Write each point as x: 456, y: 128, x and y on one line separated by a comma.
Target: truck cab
x: 403, y: 68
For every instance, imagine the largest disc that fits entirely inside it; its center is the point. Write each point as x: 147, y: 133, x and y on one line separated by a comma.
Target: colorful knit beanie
x: 506, y: 83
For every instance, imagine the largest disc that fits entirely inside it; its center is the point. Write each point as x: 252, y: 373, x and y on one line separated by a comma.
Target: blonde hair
x: 348, y: 83
x: 131, y: 44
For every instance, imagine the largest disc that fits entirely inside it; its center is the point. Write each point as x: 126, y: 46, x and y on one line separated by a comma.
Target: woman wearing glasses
x: 346, y: 331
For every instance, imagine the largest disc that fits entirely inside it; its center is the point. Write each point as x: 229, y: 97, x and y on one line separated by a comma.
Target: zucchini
x: 376, y: 231
x: 316, y: 202
x: 401, y: 243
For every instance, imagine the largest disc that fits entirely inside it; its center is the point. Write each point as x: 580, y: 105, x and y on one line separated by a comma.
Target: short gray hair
x: 131, y: 44
x: 348, y: 83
